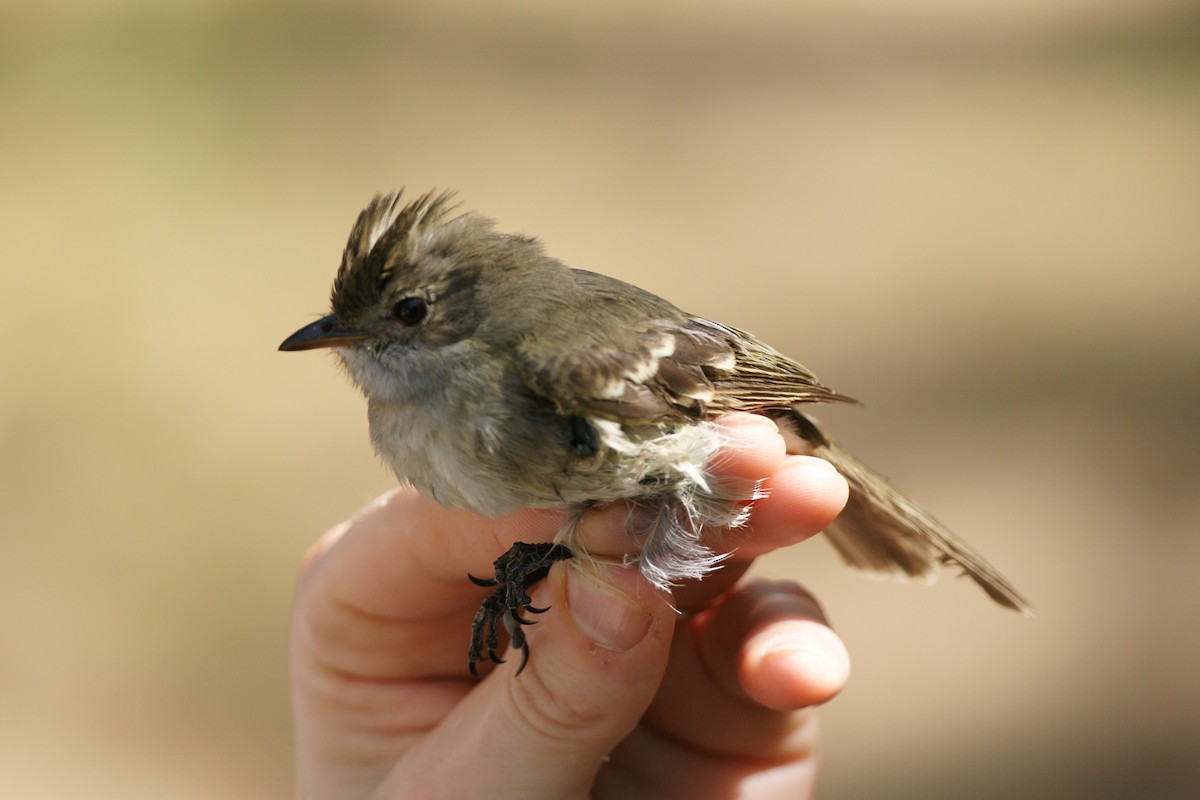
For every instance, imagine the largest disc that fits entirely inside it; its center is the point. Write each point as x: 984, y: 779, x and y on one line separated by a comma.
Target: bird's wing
x: 664, y: 368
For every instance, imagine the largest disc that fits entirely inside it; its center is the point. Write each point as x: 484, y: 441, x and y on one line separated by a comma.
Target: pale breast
x: 438, y: 454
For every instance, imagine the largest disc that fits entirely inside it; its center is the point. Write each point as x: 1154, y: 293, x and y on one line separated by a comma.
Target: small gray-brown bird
x: 499, y: 378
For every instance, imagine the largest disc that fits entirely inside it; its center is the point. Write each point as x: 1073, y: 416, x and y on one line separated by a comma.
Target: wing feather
x: 685, y: 368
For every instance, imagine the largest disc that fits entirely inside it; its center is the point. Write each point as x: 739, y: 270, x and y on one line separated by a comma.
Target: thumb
x: 597, y: 658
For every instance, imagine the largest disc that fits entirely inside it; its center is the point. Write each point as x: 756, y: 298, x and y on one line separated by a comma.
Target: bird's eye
x: 410, y: 310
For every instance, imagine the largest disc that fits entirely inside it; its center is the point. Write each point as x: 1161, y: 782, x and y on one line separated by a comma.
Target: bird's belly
x: 438, y: 455
x: 494, y: 467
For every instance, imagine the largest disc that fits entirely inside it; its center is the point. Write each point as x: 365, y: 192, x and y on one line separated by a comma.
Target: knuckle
x: 546, y: 707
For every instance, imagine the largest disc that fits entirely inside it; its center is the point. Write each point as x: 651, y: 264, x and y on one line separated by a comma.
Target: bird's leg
x: 516, y: 571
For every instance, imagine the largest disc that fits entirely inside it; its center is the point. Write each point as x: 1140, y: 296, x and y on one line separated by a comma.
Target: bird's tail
x: 881, y: 530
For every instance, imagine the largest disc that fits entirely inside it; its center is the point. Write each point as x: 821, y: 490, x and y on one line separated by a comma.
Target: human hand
x: 623, y: 696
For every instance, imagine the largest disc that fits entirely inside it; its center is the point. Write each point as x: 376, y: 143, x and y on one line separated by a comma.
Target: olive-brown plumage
x: 499, y: 378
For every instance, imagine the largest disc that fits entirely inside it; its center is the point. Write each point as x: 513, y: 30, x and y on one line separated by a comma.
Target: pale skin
x: 623, y: 695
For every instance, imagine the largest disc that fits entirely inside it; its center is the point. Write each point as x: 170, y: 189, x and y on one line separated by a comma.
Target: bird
x: 499, y: 378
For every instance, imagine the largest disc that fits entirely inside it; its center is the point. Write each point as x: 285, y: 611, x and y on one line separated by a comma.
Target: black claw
x: 524, y: 659
x: 517, y: 570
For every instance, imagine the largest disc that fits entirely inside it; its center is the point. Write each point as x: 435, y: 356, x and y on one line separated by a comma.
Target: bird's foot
x: 516, y: 571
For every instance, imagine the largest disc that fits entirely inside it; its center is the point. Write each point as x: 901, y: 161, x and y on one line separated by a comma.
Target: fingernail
x: 800, y: 657
x: 750, y: 421
x: 605, y: 613
x: 814, y: 463
x: 807, y: 651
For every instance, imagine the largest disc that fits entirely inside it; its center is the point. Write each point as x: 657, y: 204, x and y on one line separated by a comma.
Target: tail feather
x: 881, y: 530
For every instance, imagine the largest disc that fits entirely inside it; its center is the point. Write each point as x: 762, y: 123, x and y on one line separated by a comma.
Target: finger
x: 386, y: 595
x: 706, y: 734
x: 651, y: 763
x: 742, y: 673
x: 364, y: 626
x: 771, y: 641
x: 597, y: 660
x: 751, y: 450
x: 440, y: 542
x: 799, y: 500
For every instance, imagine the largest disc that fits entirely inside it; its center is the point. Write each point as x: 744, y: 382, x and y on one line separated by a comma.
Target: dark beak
x: 325, y: 332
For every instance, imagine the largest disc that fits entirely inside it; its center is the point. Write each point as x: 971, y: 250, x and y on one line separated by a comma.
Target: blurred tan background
x: 979, y: 218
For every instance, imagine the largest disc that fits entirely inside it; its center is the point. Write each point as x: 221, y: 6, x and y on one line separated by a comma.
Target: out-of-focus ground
x: 981, y: 219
